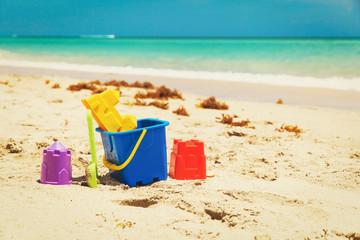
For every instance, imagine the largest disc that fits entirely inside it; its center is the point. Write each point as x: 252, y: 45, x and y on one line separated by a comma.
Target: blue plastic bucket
x: 149, y: 162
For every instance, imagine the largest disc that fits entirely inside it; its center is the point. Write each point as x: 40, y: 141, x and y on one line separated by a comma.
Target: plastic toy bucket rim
x: 164, y: 123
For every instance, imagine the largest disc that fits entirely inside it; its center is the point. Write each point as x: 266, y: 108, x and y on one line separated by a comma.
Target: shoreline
x: 239, y: 91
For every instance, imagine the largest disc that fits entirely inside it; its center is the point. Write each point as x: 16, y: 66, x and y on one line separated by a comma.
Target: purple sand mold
x: 56, y: 167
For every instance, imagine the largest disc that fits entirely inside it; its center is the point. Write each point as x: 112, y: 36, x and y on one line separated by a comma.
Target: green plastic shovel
x: 91, y: 169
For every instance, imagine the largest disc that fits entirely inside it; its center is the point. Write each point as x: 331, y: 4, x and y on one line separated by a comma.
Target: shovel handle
x: 113, y: 166
x: 91, y: 136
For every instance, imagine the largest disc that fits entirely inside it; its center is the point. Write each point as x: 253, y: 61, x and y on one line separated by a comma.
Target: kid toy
x: 137, y: 157
x: 91, y: 169
x: 187, y: 160
x: 104, y: 112
x: 56, y: 166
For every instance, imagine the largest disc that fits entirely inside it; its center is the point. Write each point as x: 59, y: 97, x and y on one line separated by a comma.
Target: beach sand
x: 241, y: 91
x: 264, y: 184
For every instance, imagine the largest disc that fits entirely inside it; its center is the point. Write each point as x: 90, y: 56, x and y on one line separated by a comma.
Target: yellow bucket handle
x: 113, y: 166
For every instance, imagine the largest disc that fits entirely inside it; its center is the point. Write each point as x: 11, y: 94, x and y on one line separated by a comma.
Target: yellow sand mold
x: 106, y: 115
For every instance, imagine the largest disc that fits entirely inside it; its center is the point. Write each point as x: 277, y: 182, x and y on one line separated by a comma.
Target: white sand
x: 241, y: 91
x: 266, y: 184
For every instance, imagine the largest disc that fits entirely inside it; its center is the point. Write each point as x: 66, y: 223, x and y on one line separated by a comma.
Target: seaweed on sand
x: 137, y: 84
x: 227, y: 119
x: 93, y: 85
x: 136, y: 103
x: 99, y: 90
x: 290, y: 128
x: 160, y: 93
x: 158, y: 104
x: 98, y: 86
x: 139, y: 102
x: 146, y: 85
x: 213, y: 104
x: 243, y: 123
x: 116, y: 83
x: 181, y: 111
x: 237, y: 134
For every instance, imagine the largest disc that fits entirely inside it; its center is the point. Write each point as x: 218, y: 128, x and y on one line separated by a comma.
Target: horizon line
x: 113, y: 36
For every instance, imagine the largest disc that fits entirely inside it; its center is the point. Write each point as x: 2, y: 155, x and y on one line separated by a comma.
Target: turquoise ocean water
x: 328, y: 63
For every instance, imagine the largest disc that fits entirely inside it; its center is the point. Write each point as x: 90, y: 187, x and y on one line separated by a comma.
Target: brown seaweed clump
x: 98, y: 86
x: 243, y: 123
x: 93, y: 85
x: 290, y: 128
x: 116, y: 83
x: 99, y: 90
x: 181, y: 111
x: 227, y: 119
x: 213, y: 104
x: 56, y: 85
x: 353, y: 236
x: 160, y: 93
x: 146, y: 85
x: 139, y: 102
x: 158, y: 104
x: 237, y: 134
x: 137, y: 84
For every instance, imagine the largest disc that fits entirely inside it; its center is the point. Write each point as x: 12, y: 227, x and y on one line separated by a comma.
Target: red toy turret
x: 187, y: 160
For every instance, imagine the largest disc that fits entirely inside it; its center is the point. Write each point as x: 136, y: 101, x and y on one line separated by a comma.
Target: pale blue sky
x: 182, y: 18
